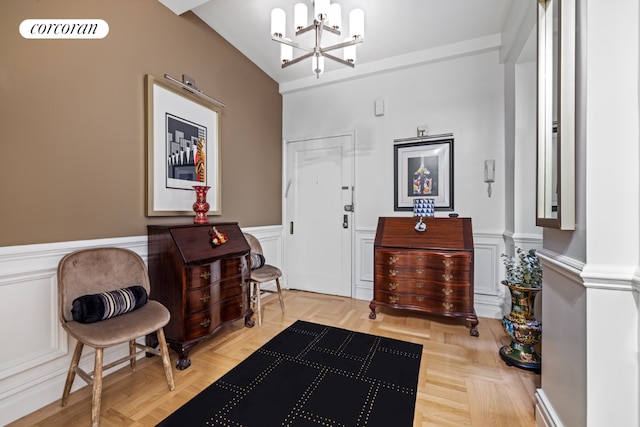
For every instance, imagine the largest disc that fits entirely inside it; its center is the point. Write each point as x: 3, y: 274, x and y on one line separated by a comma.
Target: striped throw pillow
x: 256, y: 260
x: 96, y: 307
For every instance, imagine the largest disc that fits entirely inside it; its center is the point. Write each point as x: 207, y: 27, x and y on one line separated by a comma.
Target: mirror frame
x: 564, y: 92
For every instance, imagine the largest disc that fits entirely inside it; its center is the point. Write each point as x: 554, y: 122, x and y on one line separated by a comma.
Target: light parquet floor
x: 462, y: 381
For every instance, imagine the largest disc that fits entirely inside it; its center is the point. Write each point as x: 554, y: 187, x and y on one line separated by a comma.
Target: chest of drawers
x: 203, y: 286
x: 429, y: 272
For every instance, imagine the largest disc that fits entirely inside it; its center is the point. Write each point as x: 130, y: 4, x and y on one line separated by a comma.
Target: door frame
x: 285, y: 229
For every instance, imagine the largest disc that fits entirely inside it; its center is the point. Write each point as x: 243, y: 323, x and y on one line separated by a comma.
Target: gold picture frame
x: 183, y: 150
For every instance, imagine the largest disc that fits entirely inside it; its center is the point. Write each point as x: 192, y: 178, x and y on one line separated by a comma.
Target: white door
x: 318, y: 196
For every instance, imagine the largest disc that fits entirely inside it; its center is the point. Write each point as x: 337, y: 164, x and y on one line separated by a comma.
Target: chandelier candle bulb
x: 286, y: 52
x: 300, y: 12
x: 356, y: 23
x: 349, y: 52
x: 335, y: 16
x: 278, y: 21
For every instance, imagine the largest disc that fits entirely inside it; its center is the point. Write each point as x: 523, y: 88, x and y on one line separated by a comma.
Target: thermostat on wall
x: 379, y: 107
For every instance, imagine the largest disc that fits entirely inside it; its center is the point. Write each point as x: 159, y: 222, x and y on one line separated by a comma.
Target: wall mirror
x: 555, y: 202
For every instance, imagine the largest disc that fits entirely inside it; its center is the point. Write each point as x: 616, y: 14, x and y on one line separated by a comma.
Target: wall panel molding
x: 489, y: 294
x: 271, y: 240
x: 33, y: 368
x: 363, y: 266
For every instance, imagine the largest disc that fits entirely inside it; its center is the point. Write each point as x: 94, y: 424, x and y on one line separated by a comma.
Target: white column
x: 612, y: 211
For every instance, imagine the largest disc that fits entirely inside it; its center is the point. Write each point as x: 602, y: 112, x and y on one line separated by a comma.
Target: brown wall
x: 72, y: 125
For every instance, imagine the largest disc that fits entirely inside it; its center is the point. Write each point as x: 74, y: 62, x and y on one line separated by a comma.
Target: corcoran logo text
x: 64, y: 29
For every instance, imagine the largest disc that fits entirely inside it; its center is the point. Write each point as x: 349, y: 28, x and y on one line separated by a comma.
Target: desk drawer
x: 435, y: 304
x: 234, y: 308
x: 421, y: 287
x: 232, y: 287
x: 428, y: 259
x: 199, y: 299
x: 202, y: 323
x: 202, y: 275
x: 422, y: 274
x: 233, y: 266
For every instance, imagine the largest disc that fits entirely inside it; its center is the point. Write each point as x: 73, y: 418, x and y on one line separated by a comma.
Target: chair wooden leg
x: 166, y: 361
x: 256, y: 296
x: 132, y: 352
x: 96, y: 398
x: 280, y: 295
x: 71, y: 375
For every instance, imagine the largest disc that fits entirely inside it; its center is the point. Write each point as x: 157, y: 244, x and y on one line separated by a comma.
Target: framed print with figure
x: 183, y: 150
x: 423, y: 168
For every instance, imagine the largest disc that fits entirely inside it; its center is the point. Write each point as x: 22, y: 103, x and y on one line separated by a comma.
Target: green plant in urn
x: 524, y: 280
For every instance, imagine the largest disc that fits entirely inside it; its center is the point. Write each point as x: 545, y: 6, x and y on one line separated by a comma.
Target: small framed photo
x: 423, y: 169
x: 183, y: 150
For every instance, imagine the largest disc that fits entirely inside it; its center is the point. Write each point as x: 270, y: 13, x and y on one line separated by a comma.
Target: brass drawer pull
x: 419, y: 271
x: 420, y: 298
x: 393, y: 299
x: 447, y: 291
x: 419, y: 258
x: 447, y: 262
x: 205, y: 323
x: 447, y: 277
x: 205, y: 298
x: 447, y: 305
x: 393, y: 273
x: 393, y: 260
x: 393, y: 286
x: 420, y: 285
x: 205, y: 275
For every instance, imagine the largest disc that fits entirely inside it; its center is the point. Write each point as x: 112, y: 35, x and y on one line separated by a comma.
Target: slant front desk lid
x: 194, y: 241
x: 441, y: 233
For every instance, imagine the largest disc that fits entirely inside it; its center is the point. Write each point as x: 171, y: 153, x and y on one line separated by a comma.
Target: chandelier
x: 326, y: 18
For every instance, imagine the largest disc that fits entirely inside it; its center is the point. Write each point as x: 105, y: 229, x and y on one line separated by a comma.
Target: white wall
x: 591, y: 365
x: 519, y: 53
x: 524, y: 209
x: 462, y: 95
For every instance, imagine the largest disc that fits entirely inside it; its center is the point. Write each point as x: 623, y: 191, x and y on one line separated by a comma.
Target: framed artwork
x: 423, y: 169
x: 183, y: 150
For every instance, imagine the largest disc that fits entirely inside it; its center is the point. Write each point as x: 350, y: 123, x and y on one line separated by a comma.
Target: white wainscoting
x: 270, y: 238
x: 363, y: 266
x: 489, y: 296
x: 36, y: 352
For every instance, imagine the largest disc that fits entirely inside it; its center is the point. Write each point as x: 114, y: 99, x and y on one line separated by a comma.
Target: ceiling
x: 398, y: 28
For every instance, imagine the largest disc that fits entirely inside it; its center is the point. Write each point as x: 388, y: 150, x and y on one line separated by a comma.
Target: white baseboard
x: 545, y: 415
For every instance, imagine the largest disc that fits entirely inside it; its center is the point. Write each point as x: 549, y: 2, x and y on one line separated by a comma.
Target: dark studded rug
x: 313, y: 375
